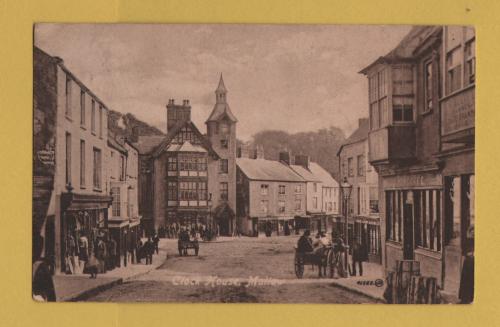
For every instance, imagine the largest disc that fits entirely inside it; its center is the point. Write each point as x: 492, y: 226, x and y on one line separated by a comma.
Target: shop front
x: 81, y: 216
x: 413, y: 221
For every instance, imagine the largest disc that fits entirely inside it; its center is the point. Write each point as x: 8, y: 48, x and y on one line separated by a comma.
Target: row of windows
x: 264, y: 205
x: 96, y: 168
x: 456, y: 58
x: 68, y: 109
x: 361, y: 168
x: 192, y: 191
x: 187, y: 164
x: 264, y: 189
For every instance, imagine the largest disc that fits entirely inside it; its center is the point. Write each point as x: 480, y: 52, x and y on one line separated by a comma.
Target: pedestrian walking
x: 149, y: 250
x: 466, y: 291
x: 91, y: 266
x: 114, y: 258
x: 156, y: 241
x: 359, y: 255
x: 101, y: 254
x: 138, y: 251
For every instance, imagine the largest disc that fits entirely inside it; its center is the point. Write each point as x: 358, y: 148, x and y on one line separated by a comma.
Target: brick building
x: 421, y: 142
x: 188, y: 177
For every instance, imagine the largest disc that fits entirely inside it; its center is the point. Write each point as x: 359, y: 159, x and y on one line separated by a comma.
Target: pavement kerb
x: 357, y: 291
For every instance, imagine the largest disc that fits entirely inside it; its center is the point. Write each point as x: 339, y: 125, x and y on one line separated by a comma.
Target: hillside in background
x: 321, y: 146
x: 125, y: 125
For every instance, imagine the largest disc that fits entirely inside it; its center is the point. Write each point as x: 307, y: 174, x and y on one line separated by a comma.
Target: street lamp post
x: 209, y: 202
x: 345, y: 189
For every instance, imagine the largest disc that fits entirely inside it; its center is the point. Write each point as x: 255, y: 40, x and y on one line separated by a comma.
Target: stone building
x: 421, y: 142
x: 188, y: 177
x: 363, y: 206
x: 270, y: 196
x: 322, y: 195
x: 70, y: 189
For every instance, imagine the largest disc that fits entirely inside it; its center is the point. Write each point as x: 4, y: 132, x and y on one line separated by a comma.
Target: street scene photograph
x: 253, y: 163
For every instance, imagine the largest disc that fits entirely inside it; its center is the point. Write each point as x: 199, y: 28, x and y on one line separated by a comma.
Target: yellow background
x: 16, y: 20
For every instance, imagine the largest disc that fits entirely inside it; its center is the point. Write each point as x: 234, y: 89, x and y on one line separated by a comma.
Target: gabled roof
x: 320, y: 173
x: 405, y: 49
x: 185, y: 147
x: 360, y: 134
x: 113, y: 143
x: 267, y: 170
x: 307, y: 175
x: 165, y: 143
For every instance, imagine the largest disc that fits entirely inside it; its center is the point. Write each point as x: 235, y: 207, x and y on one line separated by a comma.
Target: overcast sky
x: 286, y: 77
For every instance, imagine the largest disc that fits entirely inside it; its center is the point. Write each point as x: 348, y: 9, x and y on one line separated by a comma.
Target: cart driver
x: 304, y: 243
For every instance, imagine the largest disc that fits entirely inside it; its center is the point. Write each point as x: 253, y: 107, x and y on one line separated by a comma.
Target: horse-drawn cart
x: 326, y: 259
x: 184, y: 245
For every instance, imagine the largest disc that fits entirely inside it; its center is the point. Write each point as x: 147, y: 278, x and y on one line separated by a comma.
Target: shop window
x: 394, y: 215
x: 427, y: 219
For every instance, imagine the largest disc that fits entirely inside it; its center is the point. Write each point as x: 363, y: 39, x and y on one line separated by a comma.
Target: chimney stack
x: 302, y: 160
x: 286, y: 157
x: 244, y: 151
x: 177, y: 112
x: 259, y: 152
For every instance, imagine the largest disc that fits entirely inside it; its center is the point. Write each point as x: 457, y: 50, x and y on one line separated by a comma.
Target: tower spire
x: 221, y: 88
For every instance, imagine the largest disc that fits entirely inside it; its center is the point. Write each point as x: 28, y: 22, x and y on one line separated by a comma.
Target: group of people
x: 92, y: 254
x: 321, y: 242
x: 99, y: 252
x: 174, y: 230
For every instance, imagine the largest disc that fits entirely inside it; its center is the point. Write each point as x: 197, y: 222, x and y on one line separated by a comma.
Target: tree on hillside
x: 321, y: 146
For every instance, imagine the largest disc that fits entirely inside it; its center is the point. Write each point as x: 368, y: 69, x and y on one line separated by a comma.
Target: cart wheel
x: 299, y: 268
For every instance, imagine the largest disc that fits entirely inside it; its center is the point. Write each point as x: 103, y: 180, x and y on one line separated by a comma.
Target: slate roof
x: 146, y: 144
x: 406, y: 47
x: 267, y: 170
x: 323, y: 175
x: 305, y: 173
x: 360, y: 134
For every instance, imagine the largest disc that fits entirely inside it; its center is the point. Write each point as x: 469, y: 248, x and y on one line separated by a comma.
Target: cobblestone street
x: 253, y: 270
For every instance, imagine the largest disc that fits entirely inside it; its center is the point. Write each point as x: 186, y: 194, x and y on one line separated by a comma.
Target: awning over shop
x: 75, y: 201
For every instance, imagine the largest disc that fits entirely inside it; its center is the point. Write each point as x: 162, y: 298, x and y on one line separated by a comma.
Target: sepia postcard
x: 253, y: 163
